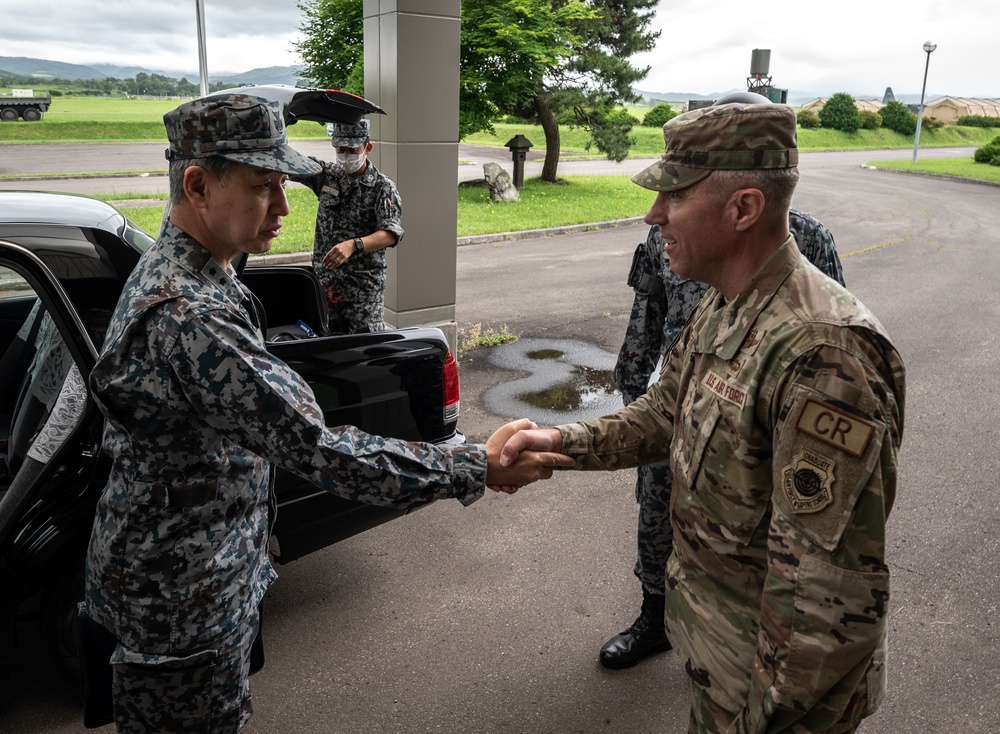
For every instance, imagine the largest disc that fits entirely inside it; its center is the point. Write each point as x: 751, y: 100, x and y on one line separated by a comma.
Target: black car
x: 63, y: 262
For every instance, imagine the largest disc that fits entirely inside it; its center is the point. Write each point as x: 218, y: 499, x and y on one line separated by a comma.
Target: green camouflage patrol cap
x: 726, y: 137
x: 348, y: 134
x: 240, y: 127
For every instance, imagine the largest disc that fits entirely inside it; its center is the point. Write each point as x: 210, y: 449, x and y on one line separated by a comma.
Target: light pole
x: 928, y: 47
x: 202, y: 62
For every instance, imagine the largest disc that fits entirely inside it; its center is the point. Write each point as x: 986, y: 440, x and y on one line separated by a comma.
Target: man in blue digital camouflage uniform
x: 357, y: 219
x: 197, y: 409
x: 663, y: 302
x: 780, y: 407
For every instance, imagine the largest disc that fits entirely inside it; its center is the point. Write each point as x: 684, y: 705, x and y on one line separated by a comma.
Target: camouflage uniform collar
x: 194, y: 257
x: 733, y: 321
x: 368, y: 178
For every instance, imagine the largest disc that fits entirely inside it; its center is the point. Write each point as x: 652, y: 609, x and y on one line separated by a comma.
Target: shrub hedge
x: 978, y: 121
x: 989, y: 152
x: 808, y: 119
x: 840, y: 113
x: 896, y: 117
x: 658, y: 116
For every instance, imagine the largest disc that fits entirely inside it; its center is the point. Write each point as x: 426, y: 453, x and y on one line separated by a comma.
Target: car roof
x: 41, y: 207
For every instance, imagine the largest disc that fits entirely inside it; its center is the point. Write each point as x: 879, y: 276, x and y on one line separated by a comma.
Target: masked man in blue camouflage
x: 358, y: 218
x: 780, y: 408
x: 662, y: 304
x: 197, y: 409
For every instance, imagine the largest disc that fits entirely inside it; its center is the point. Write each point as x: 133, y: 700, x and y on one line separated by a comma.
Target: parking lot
x: 489, y: 618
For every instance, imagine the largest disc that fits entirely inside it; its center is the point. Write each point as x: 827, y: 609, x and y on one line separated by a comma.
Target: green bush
x: 931, y: 124
x: 840, y: 113
x: 978, y: 121
x: 896, y: 117
x: 988, y: 152
x: 870, y: 120
x: 658, y: 116
x: 807, y: 119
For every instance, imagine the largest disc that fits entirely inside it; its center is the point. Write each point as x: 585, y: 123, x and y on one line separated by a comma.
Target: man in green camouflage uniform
x: 780, y: 407
x: 197, y: 409
x: 358, y: 217
x: 663, y: 303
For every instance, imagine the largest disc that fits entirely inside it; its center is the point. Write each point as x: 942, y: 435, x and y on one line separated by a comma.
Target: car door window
x: 43, y: 392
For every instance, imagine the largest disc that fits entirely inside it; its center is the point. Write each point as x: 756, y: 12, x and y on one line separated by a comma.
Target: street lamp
x: 928, y: 47
x: 199, y: 8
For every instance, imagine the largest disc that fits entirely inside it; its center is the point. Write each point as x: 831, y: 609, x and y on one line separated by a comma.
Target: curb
x: 927, y: 174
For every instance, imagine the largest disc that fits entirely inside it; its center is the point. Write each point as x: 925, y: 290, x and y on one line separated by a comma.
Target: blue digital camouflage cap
x: 348, y: 134
x: 726, y: 137
x: 240, y: 127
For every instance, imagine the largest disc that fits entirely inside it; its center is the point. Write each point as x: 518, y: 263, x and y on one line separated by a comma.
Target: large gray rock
x: 501, y: 187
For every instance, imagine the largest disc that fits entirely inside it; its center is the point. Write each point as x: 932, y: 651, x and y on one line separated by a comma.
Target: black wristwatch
x: 359, y: 246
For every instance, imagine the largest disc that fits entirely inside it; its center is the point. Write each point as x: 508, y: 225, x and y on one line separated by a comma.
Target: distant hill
x: 266, y: 75
x: 43, y: 69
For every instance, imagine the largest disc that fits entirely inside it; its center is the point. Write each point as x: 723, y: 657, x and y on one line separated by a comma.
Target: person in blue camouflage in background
x: 662, y: 304
x: 358, y: 217
x: 197, y: 410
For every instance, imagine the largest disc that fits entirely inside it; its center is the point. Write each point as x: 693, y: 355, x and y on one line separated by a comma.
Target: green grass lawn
x: 110, y: 119
x: 959, y: 167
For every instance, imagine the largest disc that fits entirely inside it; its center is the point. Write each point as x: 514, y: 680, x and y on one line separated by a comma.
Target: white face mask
x: 351, y: 162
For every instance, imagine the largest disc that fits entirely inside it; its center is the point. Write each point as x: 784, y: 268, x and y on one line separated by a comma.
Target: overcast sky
x: 849, y: 45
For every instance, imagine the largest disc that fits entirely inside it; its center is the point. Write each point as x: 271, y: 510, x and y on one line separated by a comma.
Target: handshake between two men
x: 520, y: 453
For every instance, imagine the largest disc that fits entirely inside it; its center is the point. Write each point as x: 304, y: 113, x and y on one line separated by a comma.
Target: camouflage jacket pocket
x: 837, y: 643
x: 720, y: 473
x: 688, y: 447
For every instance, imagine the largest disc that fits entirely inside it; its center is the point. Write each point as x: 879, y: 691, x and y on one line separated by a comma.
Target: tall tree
x: 508, y: 47
x: 546, y: 60
x: 597, y: 80
x: 333, y: 44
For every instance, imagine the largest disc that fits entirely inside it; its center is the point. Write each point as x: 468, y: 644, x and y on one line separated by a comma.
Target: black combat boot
x: 647, y: 636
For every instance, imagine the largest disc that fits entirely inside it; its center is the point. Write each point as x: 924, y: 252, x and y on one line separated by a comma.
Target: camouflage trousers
x: 708, y: 717
x: 359, y: 317
x: 655, y: 538
x: 205, y: 692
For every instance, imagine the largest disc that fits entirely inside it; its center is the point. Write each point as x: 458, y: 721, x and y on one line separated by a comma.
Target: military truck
x: 23, y: 104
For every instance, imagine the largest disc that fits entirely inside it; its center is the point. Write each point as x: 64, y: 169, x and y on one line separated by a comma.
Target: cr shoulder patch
x: 808, y: 482
x: 835, y: 427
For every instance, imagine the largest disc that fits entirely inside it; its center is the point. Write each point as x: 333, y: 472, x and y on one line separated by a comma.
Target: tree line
x: 142, y: 84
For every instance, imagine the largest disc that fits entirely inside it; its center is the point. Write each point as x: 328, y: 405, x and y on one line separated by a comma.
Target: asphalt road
x: 489, y: 618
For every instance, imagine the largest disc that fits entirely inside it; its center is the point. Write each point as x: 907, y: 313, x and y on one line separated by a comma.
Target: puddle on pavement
x: 568, y: 380
x: 585, y: 387
x: 544, y: 354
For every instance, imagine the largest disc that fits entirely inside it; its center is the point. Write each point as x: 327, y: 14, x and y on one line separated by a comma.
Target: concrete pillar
x: 412, y: 56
